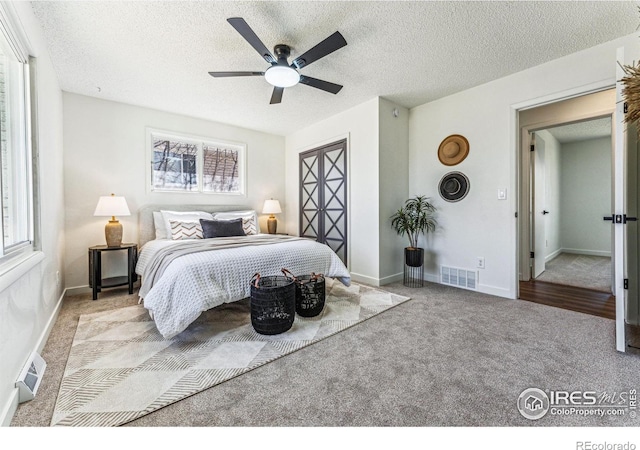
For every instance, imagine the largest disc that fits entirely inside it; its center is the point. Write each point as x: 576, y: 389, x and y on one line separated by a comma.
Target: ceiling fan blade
x: 235, y: 74
x: 329, y: 45
x: 276, y: 97
x: 320, y: 84
x: 245, y: 30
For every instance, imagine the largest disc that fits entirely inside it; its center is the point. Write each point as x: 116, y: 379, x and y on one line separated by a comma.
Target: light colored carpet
x: 447, y: 358
x: 121, y: 368
x: 589, y: 272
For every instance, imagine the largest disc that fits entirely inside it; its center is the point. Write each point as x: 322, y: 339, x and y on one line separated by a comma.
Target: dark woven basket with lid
x: 273, y: 304
x: 310, y: 293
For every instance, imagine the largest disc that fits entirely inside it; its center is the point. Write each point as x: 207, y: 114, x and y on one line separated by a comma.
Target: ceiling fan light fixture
x: 282, y: 76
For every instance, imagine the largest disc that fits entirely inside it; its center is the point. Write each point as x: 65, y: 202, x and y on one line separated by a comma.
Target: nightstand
x: 95, y: 268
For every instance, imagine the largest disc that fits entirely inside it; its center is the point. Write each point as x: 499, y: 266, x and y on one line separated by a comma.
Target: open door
x: 631, y: 239
x: 538, y: 216
x: 624, y: 221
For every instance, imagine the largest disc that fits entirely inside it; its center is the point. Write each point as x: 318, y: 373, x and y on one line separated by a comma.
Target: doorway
x: 572, y: 194
x: 567, y: 178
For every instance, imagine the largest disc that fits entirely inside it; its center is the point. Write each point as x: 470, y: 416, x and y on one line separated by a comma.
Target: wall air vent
x: 453, y: 276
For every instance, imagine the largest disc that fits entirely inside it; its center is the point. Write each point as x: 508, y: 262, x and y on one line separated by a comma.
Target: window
x: 15, y: 144
x: 193, y: 164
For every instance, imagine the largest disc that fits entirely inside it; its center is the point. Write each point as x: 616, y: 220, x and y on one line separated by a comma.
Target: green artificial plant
x: 416, y: 217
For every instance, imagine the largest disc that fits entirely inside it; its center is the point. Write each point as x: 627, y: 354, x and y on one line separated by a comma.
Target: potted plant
x: 416, y: 217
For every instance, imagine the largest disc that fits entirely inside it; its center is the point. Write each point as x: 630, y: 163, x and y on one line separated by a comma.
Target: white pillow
x: 182, y: 216
x: 250, y: 222
x: 158, y: 223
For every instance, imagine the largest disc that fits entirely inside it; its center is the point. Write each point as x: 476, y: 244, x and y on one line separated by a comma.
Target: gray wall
x: 586, y: 196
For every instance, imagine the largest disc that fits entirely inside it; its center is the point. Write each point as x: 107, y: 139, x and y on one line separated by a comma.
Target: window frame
x: 200, y: 141
x: 14, y: 37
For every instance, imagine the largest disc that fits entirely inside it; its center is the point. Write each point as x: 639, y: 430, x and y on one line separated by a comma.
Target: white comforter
x: 202, y: 280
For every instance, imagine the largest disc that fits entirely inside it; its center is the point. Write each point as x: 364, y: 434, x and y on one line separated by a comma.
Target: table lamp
x: 271, y: 207
x: 112, y: 206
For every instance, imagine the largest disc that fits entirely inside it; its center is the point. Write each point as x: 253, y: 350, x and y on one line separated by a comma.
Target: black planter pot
x: 413, y: 257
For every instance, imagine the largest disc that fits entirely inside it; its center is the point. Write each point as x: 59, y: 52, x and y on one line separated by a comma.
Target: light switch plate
x: 502, y: 194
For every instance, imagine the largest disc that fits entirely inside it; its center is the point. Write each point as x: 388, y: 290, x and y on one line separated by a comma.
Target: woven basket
x: 273, y: 304
x: 310, y: 293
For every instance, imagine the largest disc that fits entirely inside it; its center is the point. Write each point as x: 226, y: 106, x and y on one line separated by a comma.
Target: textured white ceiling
x: 157, y: 54
x: 582, y: 131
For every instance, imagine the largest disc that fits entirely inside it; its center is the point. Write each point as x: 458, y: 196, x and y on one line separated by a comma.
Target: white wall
x: 482, y: 225
x: 552, y: 193
x: 378, y: 149
x: 105, y: 145
x: 586, y: 197
x: 394, y: 186
x: 29, y: 305
x: 360, y: 126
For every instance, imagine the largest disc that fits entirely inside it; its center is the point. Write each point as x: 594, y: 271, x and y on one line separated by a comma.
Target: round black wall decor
x: 454, y: 186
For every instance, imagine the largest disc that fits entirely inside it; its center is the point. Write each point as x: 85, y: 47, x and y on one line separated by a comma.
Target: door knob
x: 545, y: 212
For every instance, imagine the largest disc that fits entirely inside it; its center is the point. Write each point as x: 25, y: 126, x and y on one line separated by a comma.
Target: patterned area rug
x: 121, y: 368
x: 590, y: 272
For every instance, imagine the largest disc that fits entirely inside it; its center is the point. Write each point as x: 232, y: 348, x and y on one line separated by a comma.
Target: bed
x: 184, y: 276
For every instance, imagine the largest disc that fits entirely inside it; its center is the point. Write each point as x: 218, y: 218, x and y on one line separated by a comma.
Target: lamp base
x: 272, y: 224
x: 113, y: 233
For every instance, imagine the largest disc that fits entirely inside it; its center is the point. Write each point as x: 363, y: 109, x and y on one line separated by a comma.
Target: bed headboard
x: 147, y: 230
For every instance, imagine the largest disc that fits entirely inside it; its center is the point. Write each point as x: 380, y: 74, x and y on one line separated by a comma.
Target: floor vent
x: 30, y: 377
x: 463, y: 278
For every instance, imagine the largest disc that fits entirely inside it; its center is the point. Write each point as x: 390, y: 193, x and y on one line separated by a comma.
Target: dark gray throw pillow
x: 221, y: 228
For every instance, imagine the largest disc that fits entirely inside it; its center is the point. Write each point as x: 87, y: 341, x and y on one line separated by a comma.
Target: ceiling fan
x: 281, y: 74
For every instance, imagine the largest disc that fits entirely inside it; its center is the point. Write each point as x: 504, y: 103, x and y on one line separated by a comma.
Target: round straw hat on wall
x: 453, y: 150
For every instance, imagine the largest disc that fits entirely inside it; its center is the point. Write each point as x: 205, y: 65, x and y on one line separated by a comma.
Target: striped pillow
x: 185, y: 230
x: 249, y: 225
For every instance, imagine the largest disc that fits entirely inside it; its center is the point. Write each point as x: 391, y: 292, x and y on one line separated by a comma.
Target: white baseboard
x: 79, y: 290
x: 550, y: 256
x: 485, y: 289
x: 497, y: 291
x: 50, y: 323
x: 432, y: 278
x: 83, y: 290
x: 358, y: 278
x: 9, y: 409
x: 577, y: 251
x: 11, y: 406
x: 391, y: 279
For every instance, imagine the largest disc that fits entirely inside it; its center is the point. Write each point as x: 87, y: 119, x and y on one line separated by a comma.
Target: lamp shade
x: 271, y: 207
x: 112, y: 206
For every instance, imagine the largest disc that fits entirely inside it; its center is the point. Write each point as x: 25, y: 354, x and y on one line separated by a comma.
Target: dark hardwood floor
x: 586, y: 301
